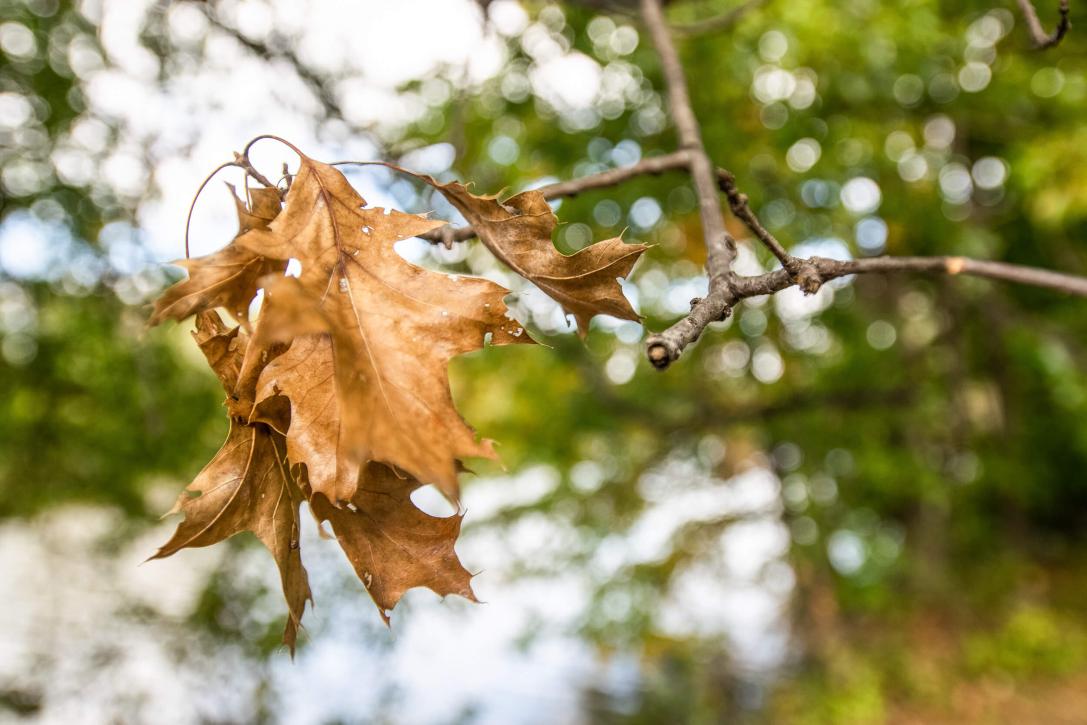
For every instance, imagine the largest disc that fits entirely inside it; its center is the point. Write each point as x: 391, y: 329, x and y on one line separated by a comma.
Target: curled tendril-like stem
x: 203, y: 185
x: 241, y: 161
x: 272, y: 137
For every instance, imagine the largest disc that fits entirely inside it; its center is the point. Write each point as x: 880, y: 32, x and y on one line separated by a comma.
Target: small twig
x: 718, y: 23
x: 447, y: 236
x: 1020, y: 274
x: 666, y: 347
x: 738, y: 202
x: 241, y: 160
x: 828, y: 269
x: 1041, y: 38
x: 720, y: 246
x: 612, y: 177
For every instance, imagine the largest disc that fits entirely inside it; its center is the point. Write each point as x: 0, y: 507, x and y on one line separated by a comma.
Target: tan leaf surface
x: 518, y: 231
x: 263, y: 206
x: 247, y: 486
x: 227, y: 278
x: 390, y: 330
x: 306, y: 375
x: 392, y: 545
x: 224, y: 347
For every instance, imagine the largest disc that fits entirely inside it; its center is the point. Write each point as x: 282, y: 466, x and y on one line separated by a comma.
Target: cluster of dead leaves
x: 338, y: 393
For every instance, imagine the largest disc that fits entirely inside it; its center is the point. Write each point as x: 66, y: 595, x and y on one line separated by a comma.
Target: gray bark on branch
x: 720, y: 246
x: 1041, y: 38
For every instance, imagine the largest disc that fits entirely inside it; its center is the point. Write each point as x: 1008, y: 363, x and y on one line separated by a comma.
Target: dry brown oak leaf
x: 392, y: 545
x: 228, y: 278
x: 518, y: 231
x: 247, y: 486
x: 372, y: 336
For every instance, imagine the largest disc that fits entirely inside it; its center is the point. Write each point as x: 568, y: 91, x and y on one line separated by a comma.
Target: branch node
x: 739, y: 202
x: 242, y: 160
x: 726, y: 181
x: 447, y: 236
x: 808, y: 279
x: 659, y: 354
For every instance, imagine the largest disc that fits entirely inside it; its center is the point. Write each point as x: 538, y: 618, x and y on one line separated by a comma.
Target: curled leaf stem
x: 272, y: 137
x: 192, y: 206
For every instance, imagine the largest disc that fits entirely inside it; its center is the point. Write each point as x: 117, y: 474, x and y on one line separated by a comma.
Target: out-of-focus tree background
x: 868, y: 505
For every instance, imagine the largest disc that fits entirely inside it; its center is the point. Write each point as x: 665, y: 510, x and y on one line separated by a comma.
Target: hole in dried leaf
x: 430, y: 500
x: 256, y: 304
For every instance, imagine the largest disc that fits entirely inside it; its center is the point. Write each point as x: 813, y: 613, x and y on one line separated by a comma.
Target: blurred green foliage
x: 101, y: 411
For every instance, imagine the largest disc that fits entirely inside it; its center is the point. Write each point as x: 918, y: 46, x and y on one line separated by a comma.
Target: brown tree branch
x: 652, y: 165
x: 719, y: 23
x: 1041, y: 38
x: 725, y: 287
x: 810, y: 274
x: 737, y: 201
x: 612, y: 177
x: 662, y: 348
x: 720, y: 246
x: 827, y: 269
